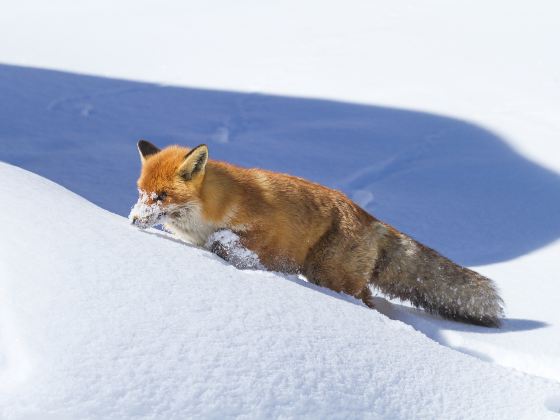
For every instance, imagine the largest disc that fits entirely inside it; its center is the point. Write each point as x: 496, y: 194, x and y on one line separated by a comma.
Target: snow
x: 437, y: 117
x: 137, y: 324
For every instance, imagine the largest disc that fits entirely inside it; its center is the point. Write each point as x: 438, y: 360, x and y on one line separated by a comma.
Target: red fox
x: 297, y: 226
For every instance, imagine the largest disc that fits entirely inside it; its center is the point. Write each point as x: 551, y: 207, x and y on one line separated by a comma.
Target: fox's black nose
x: 134, y: 220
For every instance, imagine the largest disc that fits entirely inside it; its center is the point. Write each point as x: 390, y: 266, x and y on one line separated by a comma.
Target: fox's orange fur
x: 295, y: 225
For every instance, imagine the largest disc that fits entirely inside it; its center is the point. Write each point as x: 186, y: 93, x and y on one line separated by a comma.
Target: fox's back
x: 290, y: 213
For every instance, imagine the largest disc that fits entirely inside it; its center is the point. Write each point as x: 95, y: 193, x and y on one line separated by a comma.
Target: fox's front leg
x: 230, y: 247
x: 216, y: 247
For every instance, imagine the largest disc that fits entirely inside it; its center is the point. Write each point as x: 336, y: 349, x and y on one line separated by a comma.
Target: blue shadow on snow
x: 453, y: 185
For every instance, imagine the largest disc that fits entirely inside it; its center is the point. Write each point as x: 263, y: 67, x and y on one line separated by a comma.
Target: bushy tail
x: 408, y: 270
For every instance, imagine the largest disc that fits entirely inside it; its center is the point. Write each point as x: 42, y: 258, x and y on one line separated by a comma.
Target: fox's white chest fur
x: 189, y: 225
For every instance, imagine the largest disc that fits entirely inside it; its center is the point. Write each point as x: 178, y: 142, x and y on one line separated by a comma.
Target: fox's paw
x: 366, y: 297
x: 227, y: 245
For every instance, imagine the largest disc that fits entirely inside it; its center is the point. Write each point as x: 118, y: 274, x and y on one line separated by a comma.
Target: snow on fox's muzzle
x: 144, y: 215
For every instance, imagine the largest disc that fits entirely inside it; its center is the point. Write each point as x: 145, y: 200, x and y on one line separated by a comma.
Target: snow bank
x: 101, y: 320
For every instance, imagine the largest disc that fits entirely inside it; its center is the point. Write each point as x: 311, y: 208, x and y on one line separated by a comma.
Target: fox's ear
x: 194, y: 163
x: 146, y: 149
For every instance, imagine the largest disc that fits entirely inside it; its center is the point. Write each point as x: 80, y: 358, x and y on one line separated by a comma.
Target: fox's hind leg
x: 336, y: 278
x: 338, y: 265
x: 367, y: 297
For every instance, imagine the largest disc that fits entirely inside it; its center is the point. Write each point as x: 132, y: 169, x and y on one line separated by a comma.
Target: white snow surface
x: 102, y: 320
x: 446, y: 126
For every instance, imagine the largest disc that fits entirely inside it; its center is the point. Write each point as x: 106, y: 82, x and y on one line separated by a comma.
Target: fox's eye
x: 161, y: 196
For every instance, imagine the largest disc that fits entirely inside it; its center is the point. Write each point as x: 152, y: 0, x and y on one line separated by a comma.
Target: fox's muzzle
x: 143, y: 215
x: 147, y: 221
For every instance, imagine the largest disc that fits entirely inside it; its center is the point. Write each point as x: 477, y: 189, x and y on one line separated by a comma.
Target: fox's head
x: 169, y: 182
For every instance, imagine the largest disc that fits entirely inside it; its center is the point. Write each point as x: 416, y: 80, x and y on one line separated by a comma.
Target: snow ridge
x: 125, y: 323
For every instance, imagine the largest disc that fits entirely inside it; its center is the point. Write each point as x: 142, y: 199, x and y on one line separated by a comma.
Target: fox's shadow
x: 429, y: 324
x: 444, y: 331
x: 455, y: 186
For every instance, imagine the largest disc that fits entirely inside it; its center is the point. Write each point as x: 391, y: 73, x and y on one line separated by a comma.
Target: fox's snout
x: 148, y: 221
x: 144, y: 215
x: 139, y: 222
